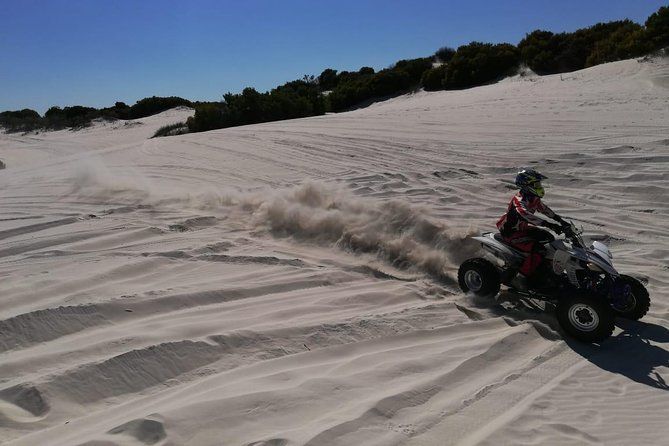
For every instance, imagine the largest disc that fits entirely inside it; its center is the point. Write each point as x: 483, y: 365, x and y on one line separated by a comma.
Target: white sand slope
x: 292, y: 283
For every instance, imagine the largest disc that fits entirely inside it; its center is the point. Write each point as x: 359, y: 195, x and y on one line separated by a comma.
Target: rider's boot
x: 520, y: 282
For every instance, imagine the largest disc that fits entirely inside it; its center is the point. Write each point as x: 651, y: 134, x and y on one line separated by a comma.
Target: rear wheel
x: 479, y: 276
x: 635, y: 305
x: 585, y: 318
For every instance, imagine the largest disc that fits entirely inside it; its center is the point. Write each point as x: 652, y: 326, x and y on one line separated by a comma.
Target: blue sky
x: 96, y: 52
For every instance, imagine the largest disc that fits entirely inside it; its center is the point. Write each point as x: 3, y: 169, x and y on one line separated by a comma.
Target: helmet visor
x: 536, y: 188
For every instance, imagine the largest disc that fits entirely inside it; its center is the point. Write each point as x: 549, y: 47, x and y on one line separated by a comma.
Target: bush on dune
x: 444, y: 54
x: 578, y: 46
x: 208, y: 116
x: 76, y: 116
x: 479, y: 63
x: 20, y: 120
x: 548, y: 53
x: 153, y: 105
x: 434, y: 78
x: 55, y: 118
x: 413, y: 68
x: 303, y: 96
x: 79, y: 116
x: 386, y: 83
x: 538, y: 50
x: 626, y: 42
x: 345, y: 95
x: 352, y: 88
x: 178, y: 128
x: 657, y: 28
x: 327, y: 79
x: 295, y: 99
x: 120, y: 110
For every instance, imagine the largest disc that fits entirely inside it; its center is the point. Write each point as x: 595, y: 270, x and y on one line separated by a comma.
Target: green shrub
x: 327, y: 79
x: 548, y: 53
x: 626, y: 42
x: 153, y: 105
x: 295, y: 99
x: 434, y: 78
x: 413, y: 68
x: 444, y: 54
x: 345, y: 95
x: 119, y: 111
x: 538, y: 51
x: 20, y: 120
x: 208, y: 116
x: 303, y: 96
x: 478, y: 63
x: 353, y: 88
x: 75, y: 116
x: 386, y: 83
x: 172, y: 129
x: 657, y: 28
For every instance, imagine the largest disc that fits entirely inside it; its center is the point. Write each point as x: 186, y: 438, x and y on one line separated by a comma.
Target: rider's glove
x: 553, y: 227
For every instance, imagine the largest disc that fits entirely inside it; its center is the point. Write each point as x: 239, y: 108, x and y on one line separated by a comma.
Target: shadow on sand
x: 630, y: 353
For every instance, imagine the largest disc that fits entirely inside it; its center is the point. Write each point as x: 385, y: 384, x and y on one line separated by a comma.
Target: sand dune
x: 292, y: 283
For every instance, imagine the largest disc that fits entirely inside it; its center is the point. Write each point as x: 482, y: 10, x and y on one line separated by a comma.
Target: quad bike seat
x: 500, y: 239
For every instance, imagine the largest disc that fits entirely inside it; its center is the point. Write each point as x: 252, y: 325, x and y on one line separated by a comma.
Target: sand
x: 292, y: 283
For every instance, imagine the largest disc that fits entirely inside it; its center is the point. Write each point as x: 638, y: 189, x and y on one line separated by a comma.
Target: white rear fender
x: 498, y: 248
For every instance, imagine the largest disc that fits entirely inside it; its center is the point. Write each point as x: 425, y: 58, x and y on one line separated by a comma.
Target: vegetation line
x: 470, y: 65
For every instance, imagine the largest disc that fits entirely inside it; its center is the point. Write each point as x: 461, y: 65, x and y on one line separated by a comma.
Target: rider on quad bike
x: 519, y: 226
x: 571, y: 275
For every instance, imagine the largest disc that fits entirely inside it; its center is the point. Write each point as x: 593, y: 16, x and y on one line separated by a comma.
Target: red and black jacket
x: 520, y: 214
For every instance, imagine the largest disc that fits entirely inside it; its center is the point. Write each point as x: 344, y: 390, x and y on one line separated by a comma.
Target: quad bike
x: 578, y: 280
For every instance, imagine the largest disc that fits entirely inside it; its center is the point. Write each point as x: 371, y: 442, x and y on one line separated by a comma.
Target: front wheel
x: 585, y: 318
x: 479, y: 276
x: 634, y: 304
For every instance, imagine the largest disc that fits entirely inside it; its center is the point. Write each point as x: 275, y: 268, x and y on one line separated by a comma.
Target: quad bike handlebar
x: 572, y: 233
